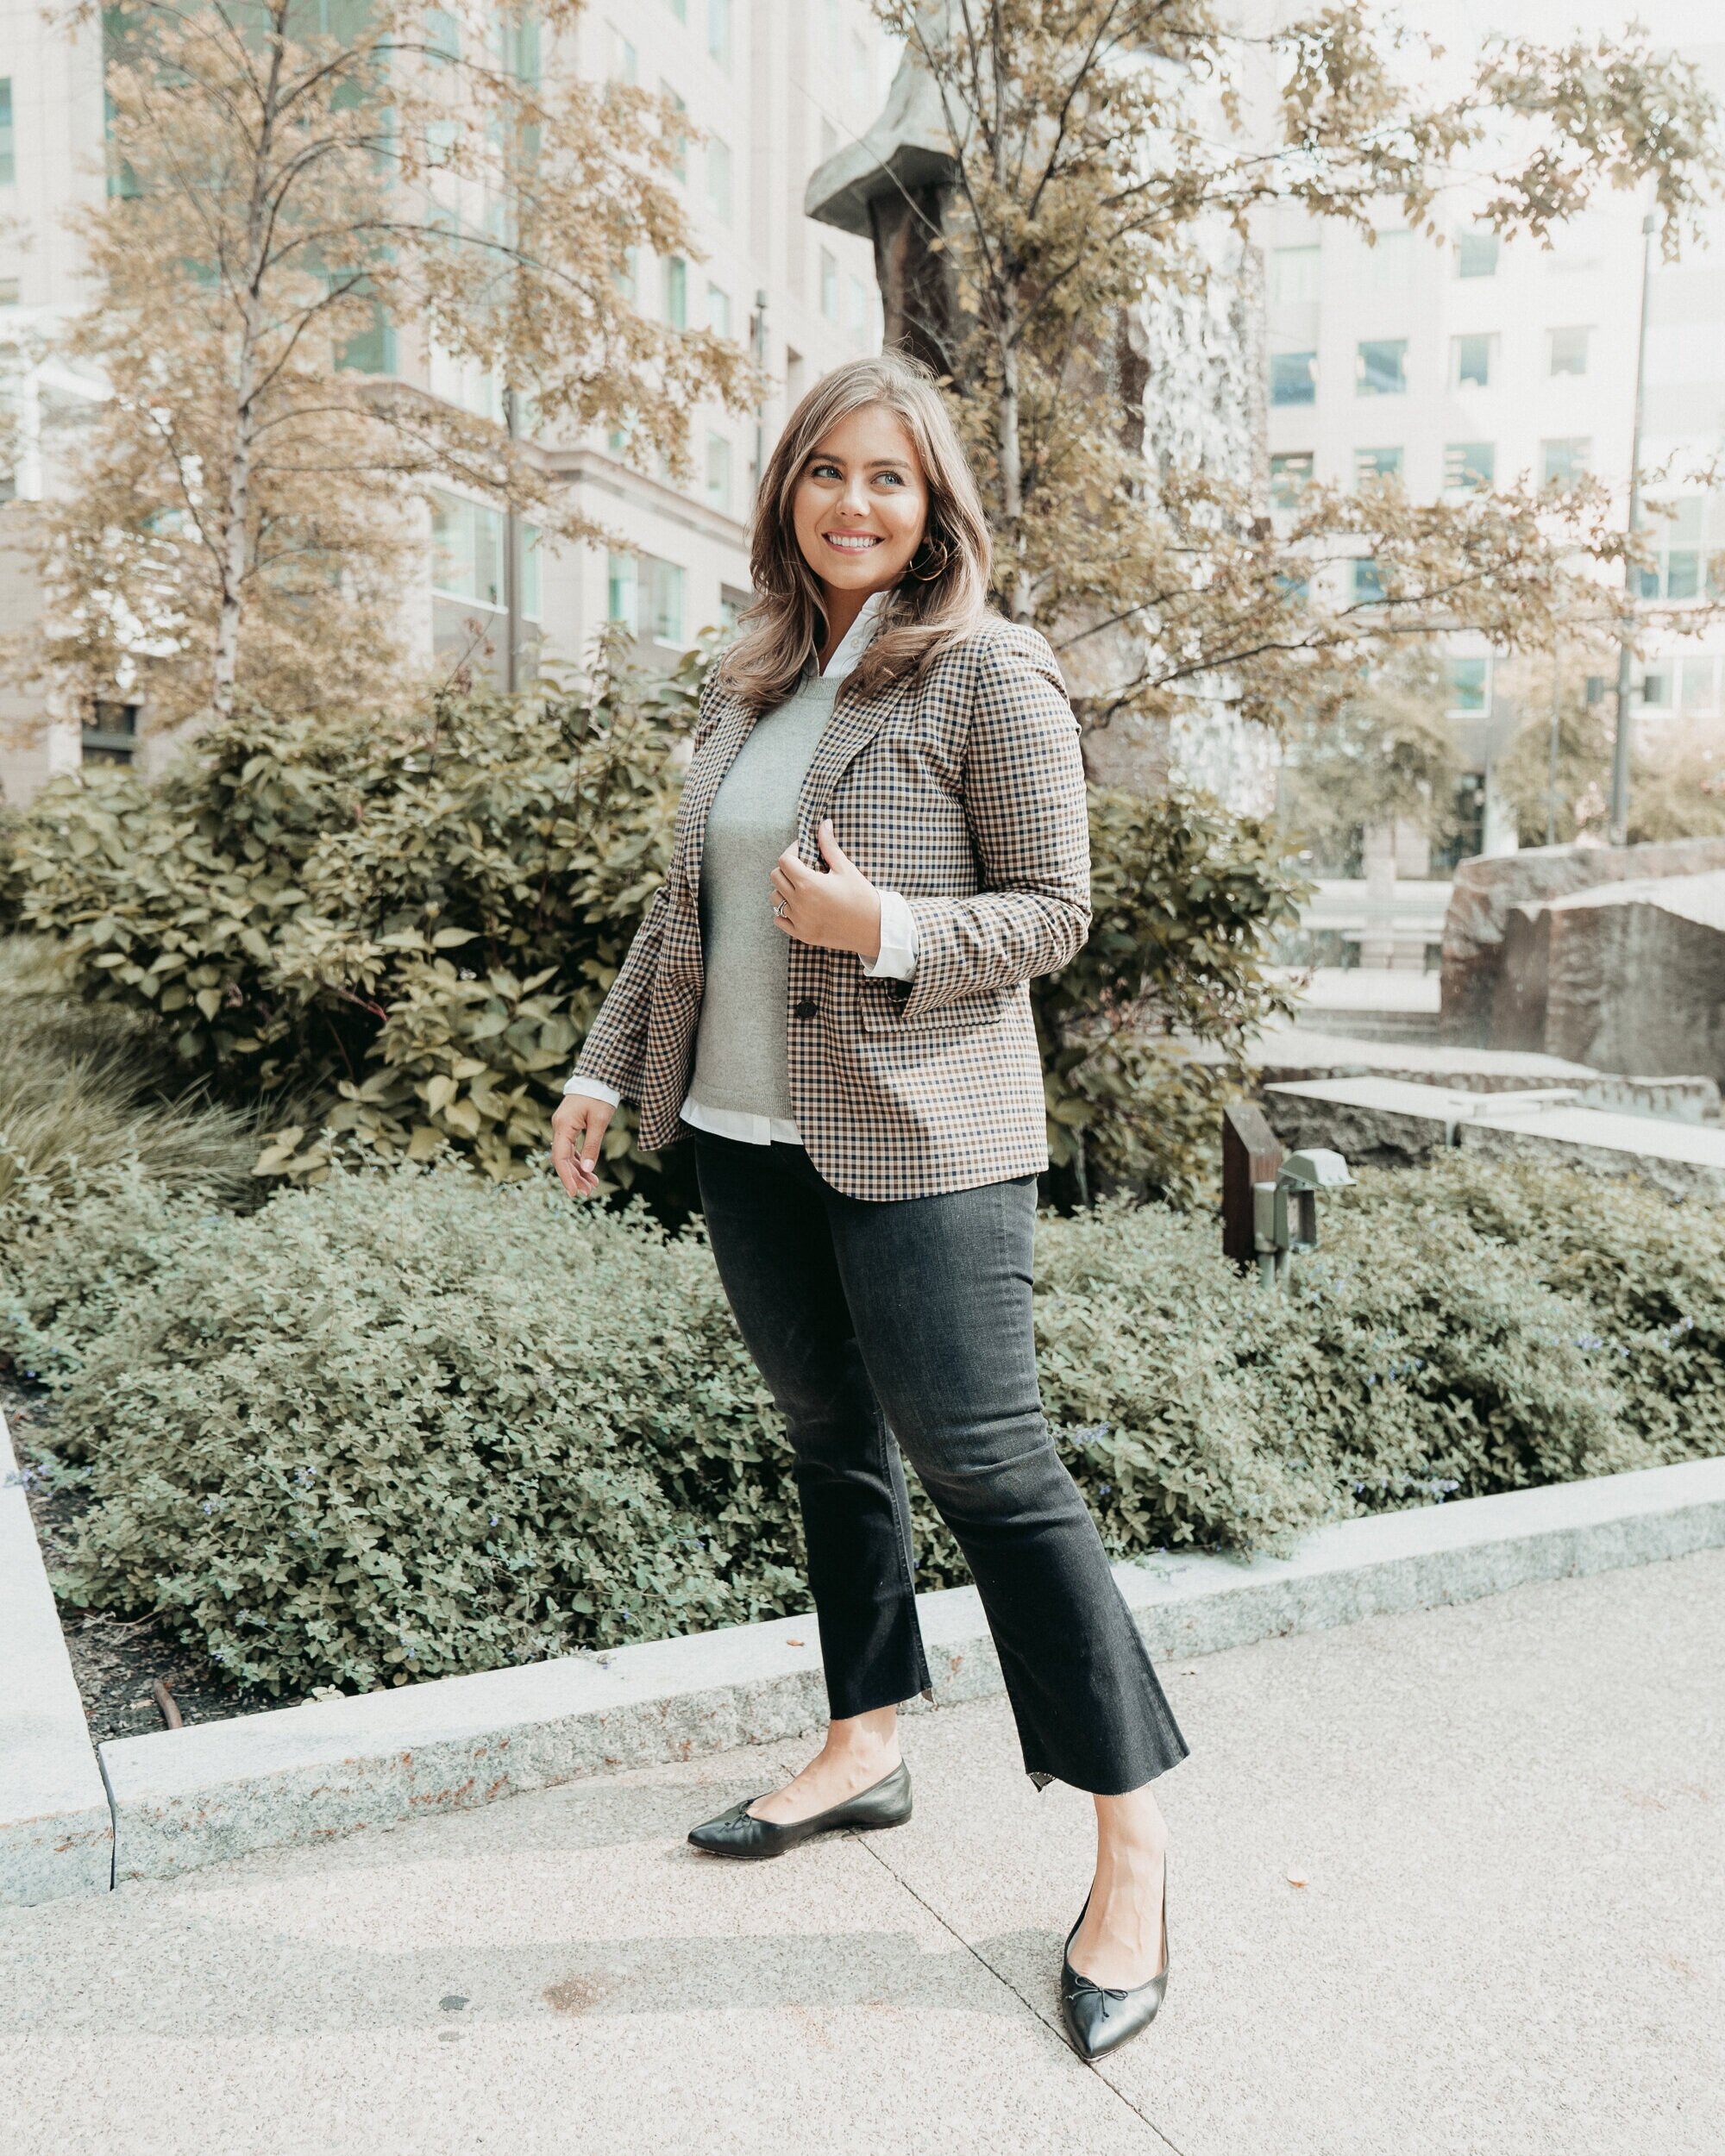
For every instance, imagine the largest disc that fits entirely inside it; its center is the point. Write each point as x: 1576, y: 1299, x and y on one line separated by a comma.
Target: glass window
x: 718, y: 311
x: 627, y: 275
x: 1477, y: 253
x: 1293, y: 378
x: 1381, y: 367
x: 625, y: 61
x: 1564, y: 462
x: 442, y: 34
x: 680, y: 8
x: 718, y: 30
x: 1471, y: 361
x: 664, y: 608
x: 732, y: 603
x: 719, y: 472
x: 466, y: 549
x: 719, y: 179
x: 1376, y: 464
x: 1289, y: 477
x: 859, y: 307
x: 829, y: 286
x: 1468, y: 464
x: 1368, y: 579
x: 1567, y: 351
x: 1388, y: 262
x: 1700, y: 685
x: 680, y: 141
x: 1470, y: 683
x: 1576, y: 246
x: 1655, y: 686
x: 1293, y: 275
x: 9, y: 161
x: 1678, y: 535
x: 676, y: 280
x: 623, y: 591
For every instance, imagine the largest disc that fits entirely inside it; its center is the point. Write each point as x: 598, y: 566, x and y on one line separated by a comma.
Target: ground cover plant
x: 408, y: 1423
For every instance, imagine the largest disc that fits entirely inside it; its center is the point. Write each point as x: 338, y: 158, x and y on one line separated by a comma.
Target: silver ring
x: 778, y: 908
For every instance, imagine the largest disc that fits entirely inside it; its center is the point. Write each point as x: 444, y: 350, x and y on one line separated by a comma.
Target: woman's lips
x: 851, y: 542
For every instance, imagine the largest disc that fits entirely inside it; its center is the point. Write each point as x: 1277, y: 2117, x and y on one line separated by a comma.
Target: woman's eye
x: 823, y: 472
x: 891, y: 479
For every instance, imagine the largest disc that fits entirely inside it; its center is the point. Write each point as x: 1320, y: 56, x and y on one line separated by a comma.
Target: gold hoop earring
x: 931, y: 576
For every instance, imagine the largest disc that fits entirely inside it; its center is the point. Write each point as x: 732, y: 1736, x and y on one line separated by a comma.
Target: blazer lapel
x: 707, y: 776
x: 856, y: 721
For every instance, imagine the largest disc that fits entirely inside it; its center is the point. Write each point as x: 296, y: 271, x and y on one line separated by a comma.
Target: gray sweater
x: 740, y: 1045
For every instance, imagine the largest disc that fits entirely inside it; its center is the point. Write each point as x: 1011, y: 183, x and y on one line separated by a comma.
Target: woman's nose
x: 855, y: 502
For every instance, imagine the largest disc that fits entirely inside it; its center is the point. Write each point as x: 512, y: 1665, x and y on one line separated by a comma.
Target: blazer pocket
x: 881, y: 1006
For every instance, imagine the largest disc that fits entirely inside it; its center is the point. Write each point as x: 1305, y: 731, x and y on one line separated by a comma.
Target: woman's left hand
x: 838, y: 908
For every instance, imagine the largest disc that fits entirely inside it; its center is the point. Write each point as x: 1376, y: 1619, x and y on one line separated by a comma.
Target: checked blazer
x: 961, y: 787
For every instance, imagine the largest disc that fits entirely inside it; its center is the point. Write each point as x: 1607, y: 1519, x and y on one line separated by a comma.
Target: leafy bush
x: 408, y: 927
x: 408, y: 924
x: 403, y: 1425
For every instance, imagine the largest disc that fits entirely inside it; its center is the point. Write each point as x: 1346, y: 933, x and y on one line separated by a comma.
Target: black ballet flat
x: 738, y: 1833
x: 1100, y: 2020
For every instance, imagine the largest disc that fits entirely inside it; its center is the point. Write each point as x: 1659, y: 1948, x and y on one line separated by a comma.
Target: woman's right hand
x: 576, y: 1130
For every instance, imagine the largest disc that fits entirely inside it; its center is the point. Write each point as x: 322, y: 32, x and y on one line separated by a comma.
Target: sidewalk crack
x: 867, y: 1842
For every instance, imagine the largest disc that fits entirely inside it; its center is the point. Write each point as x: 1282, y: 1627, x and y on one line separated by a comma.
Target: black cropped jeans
x: 911, y: 1319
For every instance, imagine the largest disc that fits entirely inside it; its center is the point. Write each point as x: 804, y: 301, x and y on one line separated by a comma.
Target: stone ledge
x: 56, y: 1833
x: 186, y: 1798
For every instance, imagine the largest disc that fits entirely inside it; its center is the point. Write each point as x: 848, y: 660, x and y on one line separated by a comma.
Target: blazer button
x: 807, y: 1008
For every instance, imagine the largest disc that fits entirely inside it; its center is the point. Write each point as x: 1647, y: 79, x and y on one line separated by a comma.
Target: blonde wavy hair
x: 941, y: 596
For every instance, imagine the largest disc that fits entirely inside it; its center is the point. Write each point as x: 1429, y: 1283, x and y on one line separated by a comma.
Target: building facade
x: 1465, y: 361
x: 771, y: 87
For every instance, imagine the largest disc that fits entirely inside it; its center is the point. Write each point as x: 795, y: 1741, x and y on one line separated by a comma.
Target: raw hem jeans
x: 911, y: 1319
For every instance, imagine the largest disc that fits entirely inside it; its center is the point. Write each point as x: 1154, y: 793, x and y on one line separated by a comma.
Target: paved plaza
x: 1510, y: 1816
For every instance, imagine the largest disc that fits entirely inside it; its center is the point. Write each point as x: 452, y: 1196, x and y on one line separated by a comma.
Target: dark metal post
x: 1249, y: 1154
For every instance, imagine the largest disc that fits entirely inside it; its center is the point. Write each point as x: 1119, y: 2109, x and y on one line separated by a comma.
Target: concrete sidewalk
x: 1511, y: 1813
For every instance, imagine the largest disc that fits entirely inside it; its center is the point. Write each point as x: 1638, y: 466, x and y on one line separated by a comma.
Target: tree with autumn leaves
x: 1097, y: 145
x: 289, y: 189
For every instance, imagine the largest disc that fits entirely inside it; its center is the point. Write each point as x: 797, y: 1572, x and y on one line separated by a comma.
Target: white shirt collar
x: 858, y: 639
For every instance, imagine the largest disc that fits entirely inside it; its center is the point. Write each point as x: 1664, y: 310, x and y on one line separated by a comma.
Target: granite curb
x: 56, y: 1829
x: 186, y: 1798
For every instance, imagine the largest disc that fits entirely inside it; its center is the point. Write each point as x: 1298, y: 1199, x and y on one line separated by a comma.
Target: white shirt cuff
x: 593, y: 1088
x: 897, y: 961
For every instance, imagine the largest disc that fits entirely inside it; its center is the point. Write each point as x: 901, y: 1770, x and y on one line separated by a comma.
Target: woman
x: 883, y: 839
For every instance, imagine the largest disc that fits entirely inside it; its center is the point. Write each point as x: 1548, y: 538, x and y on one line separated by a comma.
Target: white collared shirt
x: 896, y: 962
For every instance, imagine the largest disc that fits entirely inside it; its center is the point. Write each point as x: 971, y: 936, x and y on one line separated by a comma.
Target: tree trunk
x: 1018, y: 581
x: 232, y: 562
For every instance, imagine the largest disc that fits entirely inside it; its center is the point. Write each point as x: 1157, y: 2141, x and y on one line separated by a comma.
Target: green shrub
x: 403, y: 1425
x: 409, y: 924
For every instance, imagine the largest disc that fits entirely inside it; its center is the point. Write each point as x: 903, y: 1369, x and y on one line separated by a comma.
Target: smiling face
x: 861, y: 505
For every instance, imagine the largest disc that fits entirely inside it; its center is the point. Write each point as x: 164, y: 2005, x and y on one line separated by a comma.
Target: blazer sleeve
x: 1025, y: 803
x: 616, y: 1046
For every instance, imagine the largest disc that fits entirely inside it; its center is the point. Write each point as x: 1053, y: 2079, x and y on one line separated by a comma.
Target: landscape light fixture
x: 1285, y: 1211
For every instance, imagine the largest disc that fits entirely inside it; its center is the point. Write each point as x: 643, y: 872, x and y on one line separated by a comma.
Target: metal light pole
x: 511, y: 560
x: 1620, y: 752
x: 1552, y: 760
x: 758, y: 326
